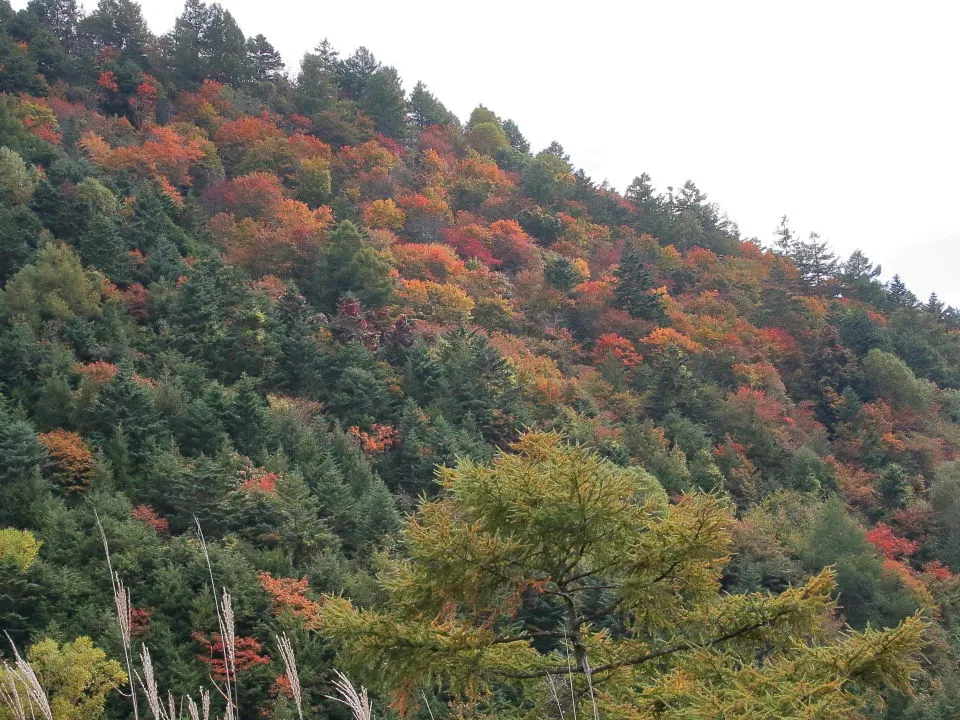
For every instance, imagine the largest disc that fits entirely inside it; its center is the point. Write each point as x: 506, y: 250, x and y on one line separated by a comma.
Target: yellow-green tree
x: 552, y: 577
x: 74, y: 678
x: 18, y: 547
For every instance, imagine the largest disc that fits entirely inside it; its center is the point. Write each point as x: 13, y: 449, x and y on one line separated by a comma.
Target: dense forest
x: 300, y: 373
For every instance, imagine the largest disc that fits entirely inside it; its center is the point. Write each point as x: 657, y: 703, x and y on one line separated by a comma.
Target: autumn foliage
x: 455, y: 385
x: 247, y: 654
x: 71, y: 464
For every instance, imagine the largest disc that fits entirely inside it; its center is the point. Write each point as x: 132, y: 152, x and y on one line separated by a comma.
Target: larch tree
x: 569, y: 584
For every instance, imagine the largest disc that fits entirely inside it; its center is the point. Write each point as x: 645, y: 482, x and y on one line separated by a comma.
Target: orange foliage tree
x: 436, y: 302
x: 291, y: 595
x: 70, y: 464
x: 164, y: 156
x: 258, y: 228
x: 385, y: 214
x: 435, y: 262
x: 612, y: 346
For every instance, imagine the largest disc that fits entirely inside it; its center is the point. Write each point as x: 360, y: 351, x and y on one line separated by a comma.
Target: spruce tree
x: 426, y: 110
x: 246, y: 417
x: 125, y: 409
x: 634, y: 286
x: 476, y: 384
x: 349, y: 266
x: 101, y: 246
x: 20, y: 451
x: 899, y: 294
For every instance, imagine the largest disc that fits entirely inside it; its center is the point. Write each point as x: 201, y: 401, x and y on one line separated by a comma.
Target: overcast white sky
x: 842, y: 115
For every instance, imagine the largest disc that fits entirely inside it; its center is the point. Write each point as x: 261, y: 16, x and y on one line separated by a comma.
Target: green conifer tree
x: 634, y: 283
x: 349, y: 266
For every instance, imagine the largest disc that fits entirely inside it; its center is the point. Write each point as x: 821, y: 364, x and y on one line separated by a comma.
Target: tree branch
x: 639, y: 659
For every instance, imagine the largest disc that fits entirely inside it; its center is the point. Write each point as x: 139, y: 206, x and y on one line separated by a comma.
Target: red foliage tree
x: 149, y: 517
x: 511, y: 246
x: 892, y: 546
x: 108, y: 81
x: 472, y: 242
x: 247, y: 654
x: 139, y: 620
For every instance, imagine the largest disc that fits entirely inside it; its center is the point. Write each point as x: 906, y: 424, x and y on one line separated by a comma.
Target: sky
x: 844, y: 116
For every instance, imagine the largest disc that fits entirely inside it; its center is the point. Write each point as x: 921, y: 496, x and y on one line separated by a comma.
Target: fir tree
x: 424, y: 109
x: 265, y: 62
x: 101, y: 246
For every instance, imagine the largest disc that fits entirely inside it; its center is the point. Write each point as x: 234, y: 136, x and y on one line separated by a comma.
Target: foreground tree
x: 556, y: 578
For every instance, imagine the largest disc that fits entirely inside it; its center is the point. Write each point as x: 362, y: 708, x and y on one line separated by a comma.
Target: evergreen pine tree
x: 225, y: 48
x: 299, y: 367
x: 125, y: 409
x: 384, y: 102
x: 186, y: 43
x: 101, y: 246
x: 265, y: 62
x: 61, y: 16
x: 426, y: 110
x: 899, y: 293
x: 476, y: 381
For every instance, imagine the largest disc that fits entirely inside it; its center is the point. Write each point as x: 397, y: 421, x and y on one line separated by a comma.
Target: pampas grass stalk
x: 358, y: 702
x: 21, y: 675
x: 290, y: 664
x: 121, y: 602
x: 551, y: 682
x: 203, y: 712
x: 10, y: 696
x: 573, y: 695
x: 226, y: 622
x: 192, y: 711
x: 230, y: 640
x: 426, y: 704
x: 150, y: 685
x: 593, y: 698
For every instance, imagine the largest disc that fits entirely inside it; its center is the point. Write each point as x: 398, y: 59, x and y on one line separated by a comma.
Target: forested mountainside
x: 338, y: 377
